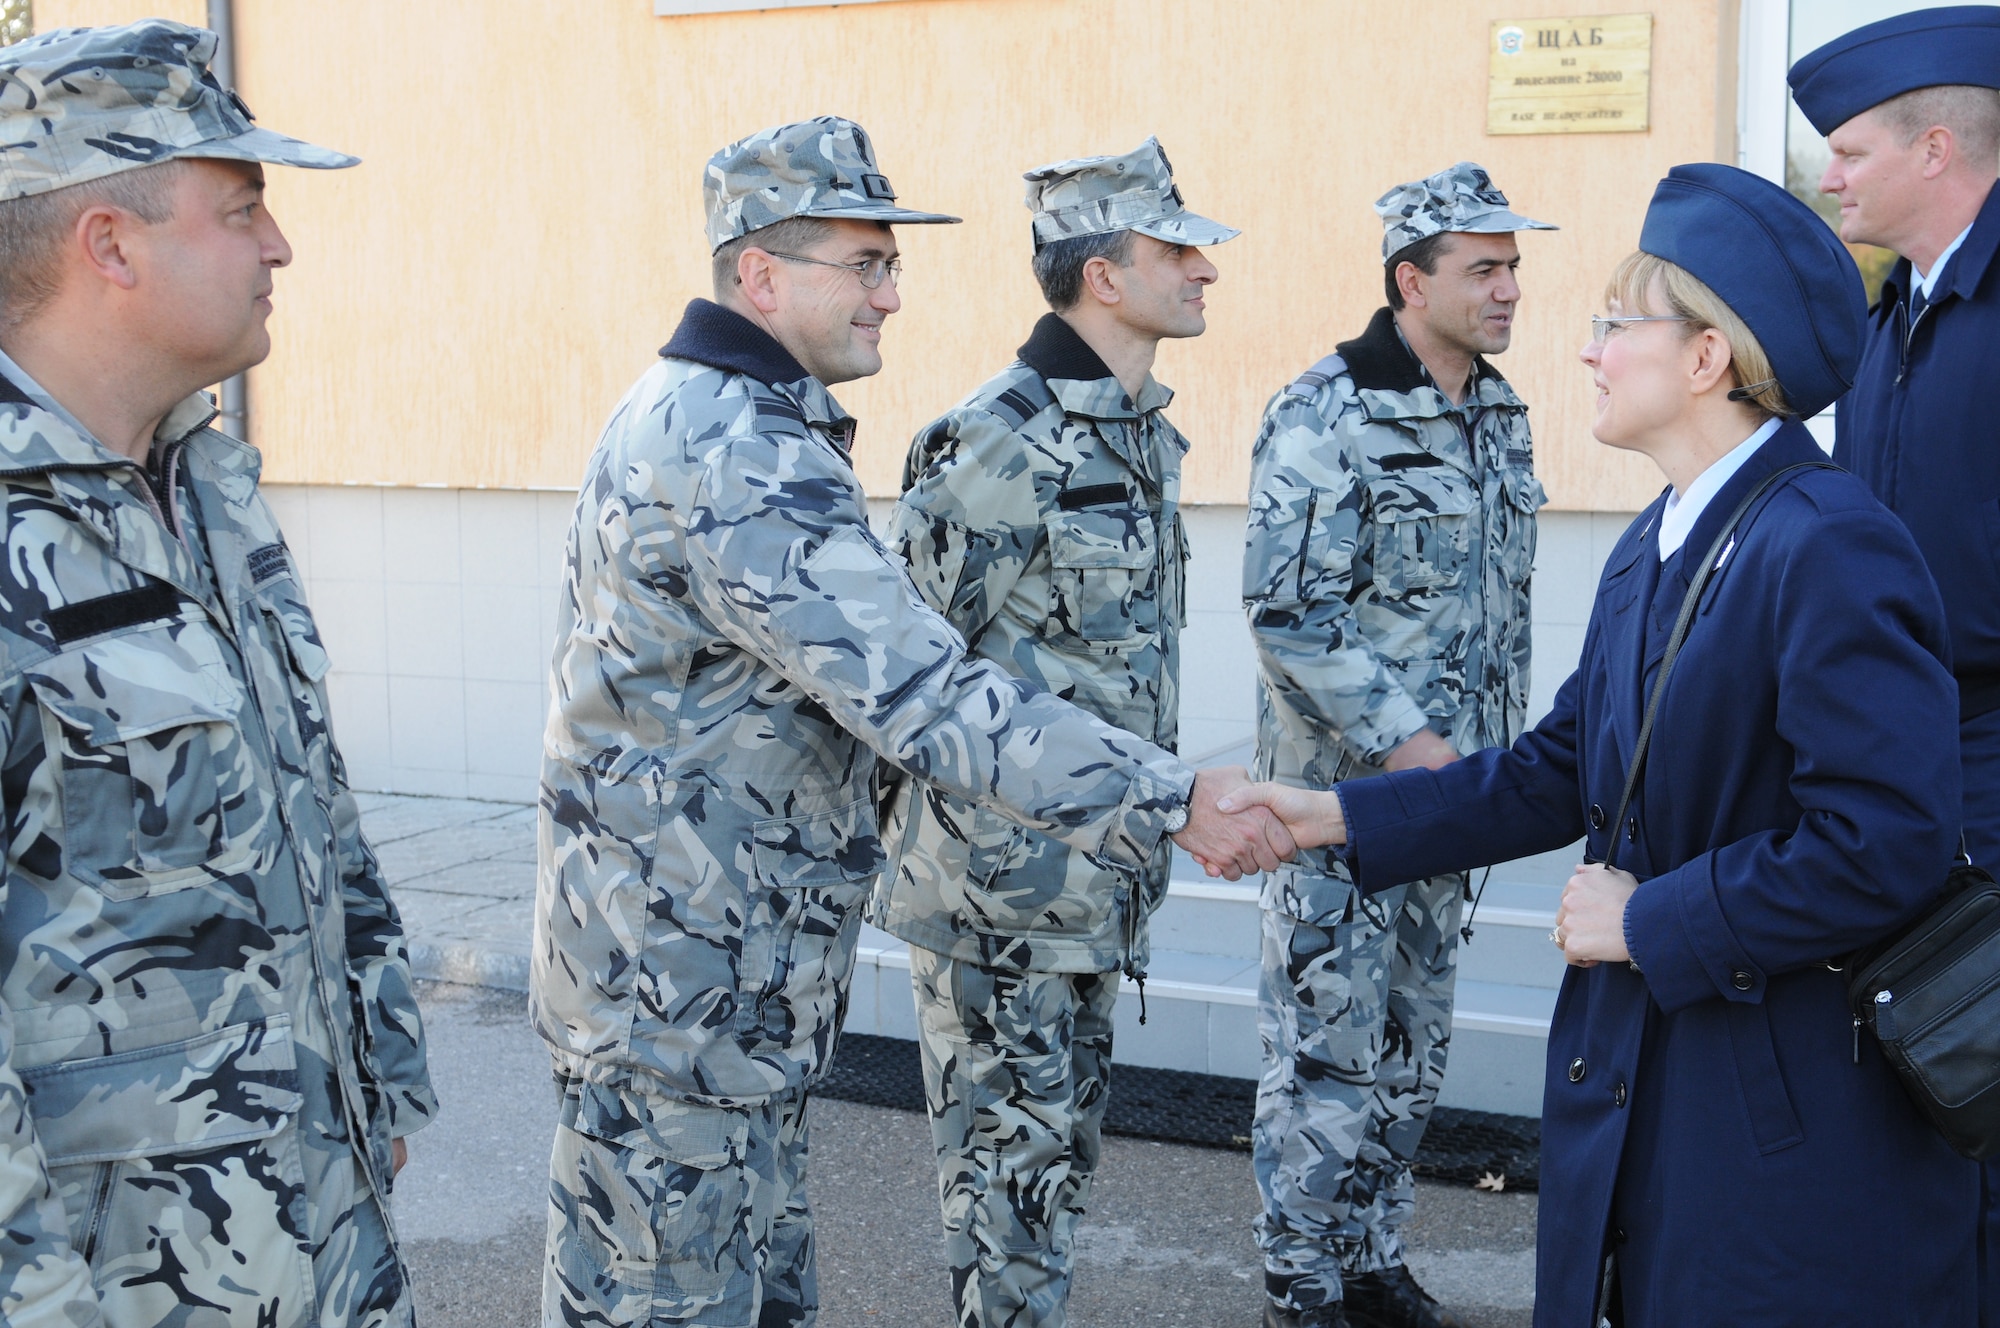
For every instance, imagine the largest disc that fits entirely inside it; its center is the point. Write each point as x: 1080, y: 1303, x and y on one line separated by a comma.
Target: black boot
x: 1391, y: 1298
x: 1326, y: 1316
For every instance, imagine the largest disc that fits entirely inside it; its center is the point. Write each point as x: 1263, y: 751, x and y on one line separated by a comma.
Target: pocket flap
x: 706, y: 1138
x: 839, y: 845
x: 1527, y: 494
x: 1121, y: 537
x: 301, y: 633
x: 120, y: 688
x: 1413, y: 495
x: 235, y: 1084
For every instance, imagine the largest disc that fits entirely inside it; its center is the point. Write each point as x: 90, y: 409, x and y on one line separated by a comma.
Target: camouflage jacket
x: 1391, y: 538
x: 734, y: 650
x: 208, y: 1034
x: 1042, y: 516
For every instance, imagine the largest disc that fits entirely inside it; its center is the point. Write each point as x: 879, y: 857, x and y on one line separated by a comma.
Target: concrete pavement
x: 1167, y: 1241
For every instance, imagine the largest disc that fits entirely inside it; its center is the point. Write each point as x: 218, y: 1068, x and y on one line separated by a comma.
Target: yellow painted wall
x: 466, y: 306
x: 51, y: 14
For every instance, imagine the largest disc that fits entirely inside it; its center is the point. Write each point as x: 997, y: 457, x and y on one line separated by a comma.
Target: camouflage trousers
x: 1355, y: 1014
x: 665, y: 1212
x: 1016, y: 1071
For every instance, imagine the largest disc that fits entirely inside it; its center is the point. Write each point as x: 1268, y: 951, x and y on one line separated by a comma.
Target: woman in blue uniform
x: 1714, y: 1148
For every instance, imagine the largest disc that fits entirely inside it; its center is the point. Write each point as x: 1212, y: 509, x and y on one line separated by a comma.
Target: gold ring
x: 1556, y: 935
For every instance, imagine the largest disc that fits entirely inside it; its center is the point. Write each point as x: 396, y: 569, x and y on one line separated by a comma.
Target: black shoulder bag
x: 1930, y: 993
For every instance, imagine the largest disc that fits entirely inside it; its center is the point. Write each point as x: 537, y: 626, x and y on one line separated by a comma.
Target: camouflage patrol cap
x: 78, y: 104
x: 822, y: 167
x: 1103, y: 195
x: 1461, y: 199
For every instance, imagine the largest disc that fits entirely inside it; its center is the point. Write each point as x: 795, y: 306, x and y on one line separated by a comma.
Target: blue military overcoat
x: 1918, y: 428
x: 1707, y: 1118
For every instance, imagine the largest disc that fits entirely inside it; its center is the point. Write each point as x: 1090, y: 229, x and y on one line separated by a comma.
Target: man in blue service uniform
x: 1912, y: 117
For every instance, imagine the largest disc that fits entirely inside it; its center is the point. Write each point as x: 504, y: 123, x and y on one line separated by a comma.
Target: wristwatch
x: 1177, y: 819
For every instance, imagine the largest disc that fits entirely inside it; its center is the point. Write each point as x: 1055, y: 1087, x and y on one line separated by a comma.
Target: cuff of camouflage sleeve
x: 410, y: 1108
x: 1389, y: 729
x: 1134, y: 835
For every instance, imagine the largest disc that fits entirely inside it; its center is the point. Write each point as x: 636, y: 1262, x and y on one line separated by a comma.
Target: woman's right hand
x: 1313, y: 817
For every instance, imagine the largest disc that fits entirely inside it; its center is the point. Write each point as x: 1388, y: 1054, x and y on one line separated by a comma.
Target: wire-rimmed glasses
x: 870, y: 270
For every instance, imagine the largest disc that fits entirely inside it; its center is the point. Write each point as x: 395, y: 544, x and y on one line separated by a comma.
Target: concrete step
x: 1201, y: 986
x: 1201, y: 1015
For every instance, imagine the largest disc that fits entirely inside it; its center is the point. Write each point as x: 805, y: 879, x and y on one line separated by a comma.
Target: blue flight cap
x: 1775, y: 264
x: 1877, y: 61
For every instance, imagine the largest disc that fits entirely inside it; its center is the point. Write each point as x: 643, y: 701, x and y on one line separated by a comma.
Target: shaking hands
x: 1236, y: 828
x: 1236, y: 842
x: 1313, y: 818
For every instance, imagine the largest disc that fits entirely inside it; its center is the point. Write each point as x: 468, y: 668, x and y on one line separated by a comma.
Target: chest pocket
x: 1525, y: 497
x: 1423, y: 529
x: 295, y: 636
x: 158, y: 790
x: 1101, y: 563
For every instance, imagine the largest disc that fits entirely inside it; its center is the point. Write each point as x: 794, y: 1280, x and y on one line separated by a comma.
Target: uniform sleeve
x: 1496, y: 805
x: 1871, y: 715
x: 968, y: 519
x: 1308, y: 516
x: 384, y: 993
x: 780, y: 559
x: 44, y: 1282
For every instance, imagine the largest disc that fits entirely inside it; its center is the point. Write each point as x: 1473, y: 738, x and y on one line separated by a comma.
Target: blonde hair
x: 1972, y: 114
x: 1632, y: 284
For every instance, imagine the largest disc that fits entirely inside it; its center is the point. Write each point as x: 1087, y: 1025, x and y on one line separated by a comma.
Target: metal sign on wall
x: 1588, y: 75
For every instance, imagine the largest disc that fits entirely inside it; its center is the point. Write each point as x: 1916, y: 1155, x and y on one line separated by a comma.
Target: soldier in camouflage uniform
x: 209, y: 1044
x: 1391, y: 537
x: 1041, y: 515
x: 735, y: 651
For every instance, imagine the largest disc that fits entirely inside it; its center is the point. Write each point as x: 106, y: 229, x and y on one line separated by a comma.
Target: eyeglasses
x: 1602, y: 328
x: 870, y: 270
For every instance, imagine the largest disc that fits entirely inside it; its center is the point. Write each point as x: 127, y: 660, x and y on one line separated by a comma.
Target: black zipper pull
x: 1140, y: 979
x: 1857, y: 1039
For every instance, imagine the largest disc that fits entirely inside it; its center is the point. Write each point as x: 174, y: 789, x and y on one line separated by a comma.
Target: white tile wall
x: 437, y: 606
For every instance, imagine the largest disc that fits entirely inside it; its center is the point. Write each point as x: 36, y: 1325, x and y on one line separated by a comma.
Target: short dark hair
x: 790, y: 236
x: 34, y: 229
x: 1423, y: 255
x: 1059, y: 264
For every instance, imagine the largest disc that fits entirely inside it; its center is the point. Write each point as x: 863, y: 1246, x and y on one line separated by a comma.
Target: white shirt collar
x: 1927, y: 284
x: 1684, y: 509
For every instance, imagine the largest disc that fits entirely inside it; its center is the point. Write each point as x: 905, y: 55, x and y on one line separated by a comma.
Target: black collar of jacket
x: 1054, y: 350
x: 1379, y: 361
x: 1967, y: 267
x: 712, y: 335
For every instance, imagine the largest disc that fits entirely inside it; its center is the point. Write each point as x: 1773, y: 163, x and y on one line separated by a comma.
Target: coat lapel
x: 1792, y: 444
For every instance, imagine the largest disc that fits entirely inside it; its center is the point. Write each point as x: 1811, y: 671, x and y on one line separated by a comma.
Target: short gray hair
x: 1971, y: 114
x: 1059, y: 264
x: 34, y: 229
x: 790, y: 236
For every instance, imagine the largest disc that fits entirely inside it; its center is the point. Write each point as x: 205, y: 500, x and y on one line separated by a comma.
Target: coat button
x: 1596, y: 817
x: 1576, y: 1070
x: 1742, y: 981
x: 1618, y: 1094
x: 1632, y: 829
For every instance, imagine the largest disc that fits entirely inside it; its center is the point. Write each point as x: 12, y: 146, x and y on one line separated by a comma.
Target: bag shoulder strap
x: 1689, y: 603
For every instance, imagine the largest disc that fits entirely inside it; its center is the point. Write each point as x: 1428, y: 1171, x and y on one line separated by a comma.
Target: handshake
x: 1236, y: 828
